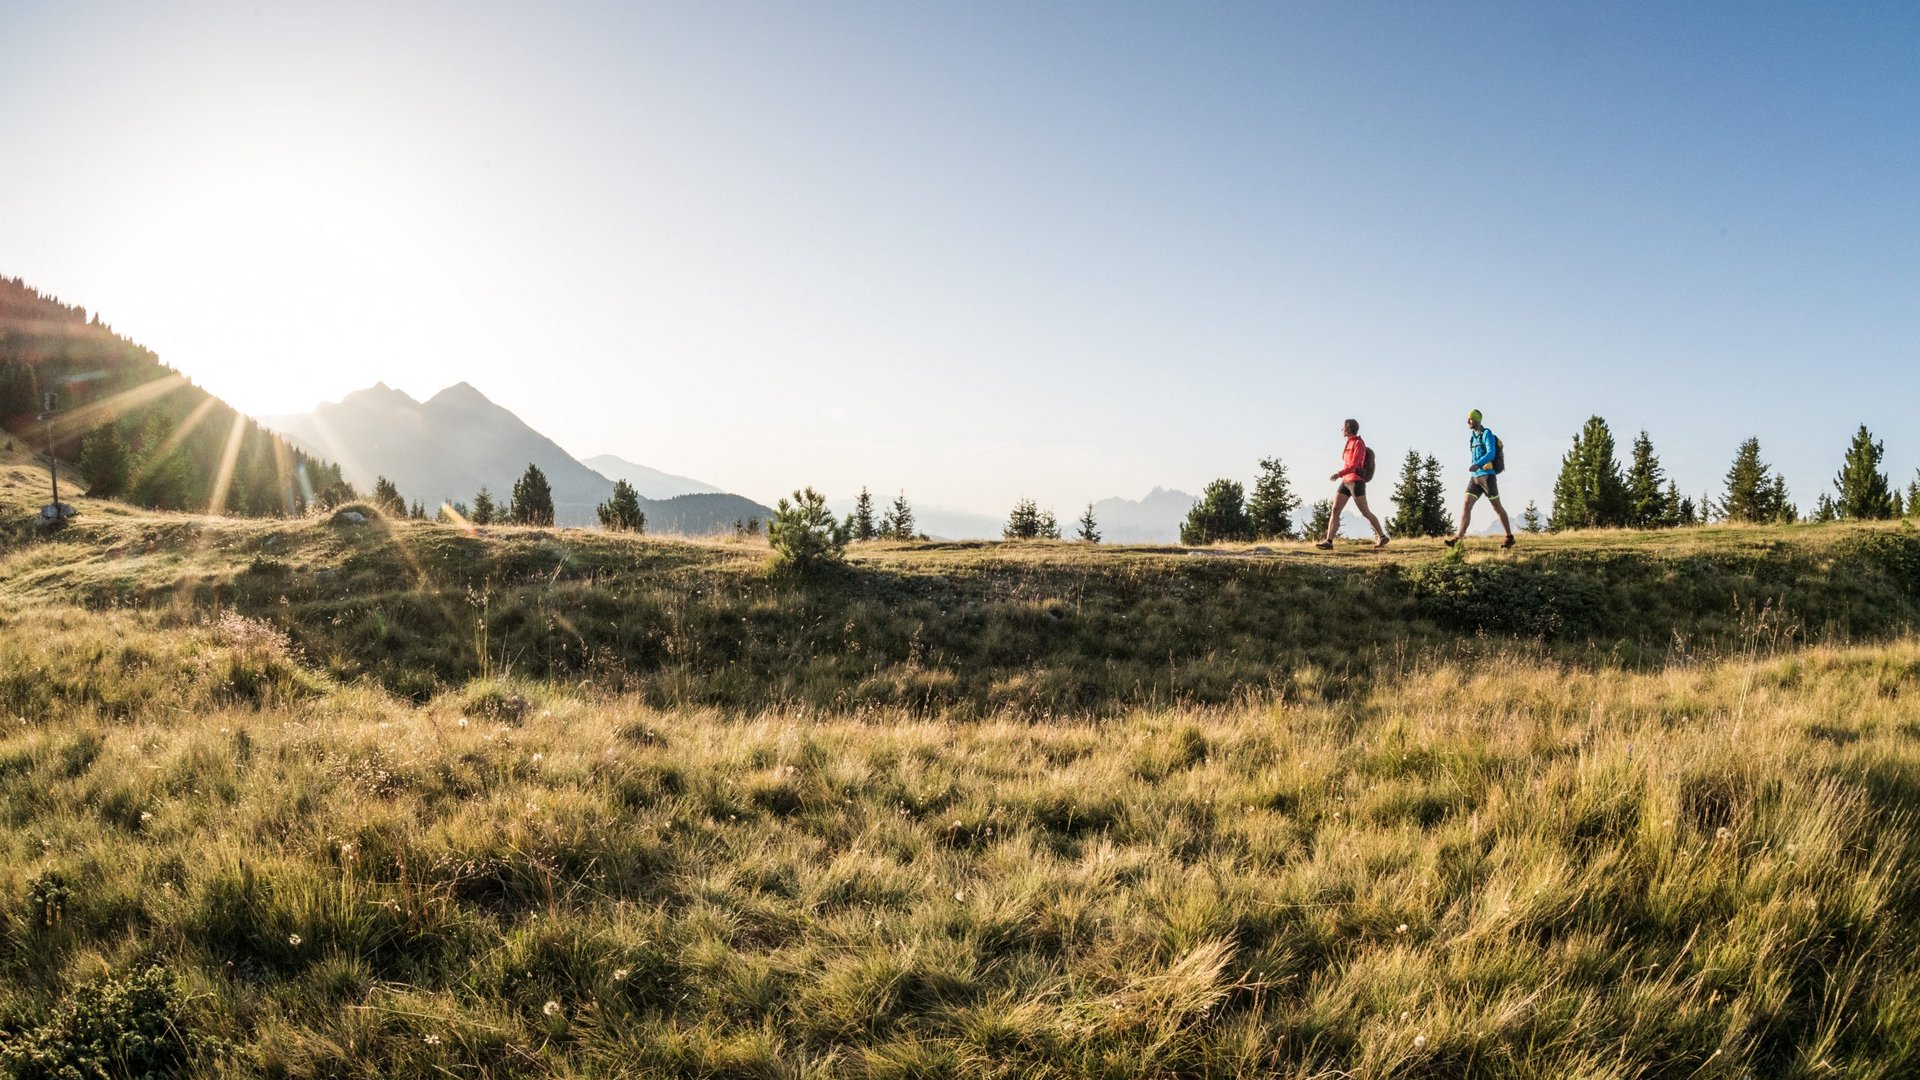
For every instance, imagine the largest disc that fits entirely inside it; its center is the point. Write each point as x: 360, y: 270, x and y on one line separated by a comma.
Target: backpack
x: 1366, y: 467
x: 1499, y: 456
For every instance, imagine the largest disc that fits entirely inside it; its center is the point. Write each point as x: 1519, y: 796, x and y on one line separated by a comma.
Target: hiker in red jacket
x: 1352, y: 478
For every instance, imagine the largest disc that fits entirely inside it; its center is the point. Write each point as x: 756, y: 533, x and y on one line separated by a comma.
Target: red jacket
x: 1353, y: 459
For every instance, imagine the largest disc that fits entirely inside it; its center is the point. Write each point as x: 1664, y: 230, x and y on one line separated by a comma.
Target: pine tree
x: 1409, y: 500
x: 1913, y: 495
x: 452, y: 513
x: 1649, y: 504
x: 1273, y: 503
x: 1319, y: 516
x: 1689, y: 512
x: 1089, y: 530
x: 104, y: 462
x: 1530, y: 519
x: 419, y: 511
x: 483, y: 508
x: 1825, y: 509
x: 1753, y: 493
x: 1864, y: 491
x: 898, y: 523
x: 1221, y: 514
x: 160, y: 477
x: 386, y: 498
x: 1434, y: 518
x: 804, y: 534
x: 860, y: 524
x: 1023, y: 522
x: 1049, y: 526
x: 622, y: 512
x: 532, y: 498
x: 1590, y: 492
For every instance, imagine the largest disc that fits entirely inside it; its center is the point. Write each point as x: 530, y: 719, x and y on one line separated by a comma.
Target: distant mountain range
x: 1153, y: 520
x: 448, y: 447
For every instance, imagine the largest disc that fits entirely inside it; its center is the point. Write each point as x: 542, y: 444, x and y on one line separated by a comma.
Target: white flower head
x: 293, y: 940
x: 620, y: 974
x: 1419, y: 1042
x: 551, y: 1008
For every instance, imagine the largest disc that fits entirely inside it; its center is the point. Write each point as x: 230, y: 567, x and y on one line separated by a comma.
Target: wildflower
x: 1419, y: 1042
x: 293, y: 940
x: 146, y: 816
x: 551, y: 1008
x: 538, y: 758
x: 463, y: 721
x: 432, y: 1040
x: 1723, y: 833
x: 620, y: 974
x: 1401, y: 929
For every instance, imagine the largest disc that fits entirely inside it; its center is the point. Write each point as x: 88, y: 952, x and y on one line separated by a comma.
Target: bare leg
x: 1360, y: 503
x: 1502, y: 512
x: 1466, y: 515
x: 1333, y: 519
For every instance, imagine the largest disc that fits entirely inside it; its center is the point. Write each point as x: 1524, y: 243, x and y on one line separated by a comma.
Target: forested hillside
x: 137, y: 429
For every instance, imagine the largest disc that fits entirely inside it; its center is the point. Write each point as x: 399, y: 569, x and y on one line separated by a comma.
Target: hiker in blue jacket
x: 1481, y: 479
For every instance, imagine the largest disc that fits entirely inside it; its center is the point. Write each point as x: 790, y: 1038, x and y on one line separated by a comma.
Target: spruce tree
x: 387, y: 499
x: 160, y: 476
x: 1689, y: 512
x: 483, y: 508
x: 418, y: 512
x: 898, y: 524
x: 1049, y: 526
x: 1754, y: 494
x: 1865, y: 494
x: 1825, y: 509
x: 1435, y: 520
x: 1089, y: 531
x: 532, y: 498
x: 1409, y: 499
x: 622, y: 512
x: 1221, y: 514
x: 1273, y: 503
x: 1590, y: 492
x: 1023, y: 523
x: 104, y: 462
x: 1530, y: 519
x: 1913, y: 495
x: 1649, y: 505
x: 860, y: 524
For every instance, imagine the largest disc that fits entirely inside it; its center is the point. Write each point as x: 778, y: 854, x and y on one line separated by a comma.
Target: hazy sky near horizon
x: 980, y: 251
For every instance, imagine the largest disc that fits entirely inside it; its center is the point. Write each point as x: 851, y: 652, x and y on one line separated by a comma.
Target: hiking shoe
x: 1509, y: 541
x: 1325, y: 545
x: 1451, y: 540
x: 1381, y: 542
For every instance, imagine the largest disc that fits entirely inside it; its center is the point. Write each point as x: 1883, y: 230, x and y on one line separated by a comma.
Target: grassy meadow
x: 297, y: 799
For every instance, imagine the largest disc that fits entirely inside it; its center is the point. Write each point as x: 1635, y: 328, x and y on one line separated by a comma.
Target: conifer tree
x: 1689, y: 511
x: 1590, y: 492
x: 1221, y: 514
x: 1530, y: 519
x: 1319, y: 516
x: 160, y: 478
x: 898, y: 523
x: 622, y: 512
x: 1649, y: 505
x: 1049, y: 526
x: 1273, y: 503
x: 386, y: 498
x: 804, y: 534
x: 1864, y: 491
x: 104, y: 462
x: 860, y: 524
x: 532, y: 498
x: 1409, y: 499
x: 1825, y: 509
x: 1434, y: 518
x: 1754, y: 494
x: 483, y: 508
x: 419, y: 511
x: 1023, y: 522
x: 1089, y: 528
x: 1913, y: 495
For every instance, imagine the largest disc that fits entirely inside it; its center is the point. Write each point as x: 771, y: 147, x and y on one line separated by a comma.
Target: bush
x: 1506, y: 598
x: 805, y: 534
x: 129, y: 1026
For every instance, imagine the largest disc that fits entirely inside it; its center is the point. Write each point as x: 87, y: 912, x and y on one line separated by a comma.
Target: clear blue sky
x: 986, y: 250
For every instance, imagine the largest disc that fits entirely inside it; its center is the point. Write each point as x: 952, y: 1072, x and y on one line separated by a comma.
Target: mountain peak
x: 459, y: 393
x: 379, y: 392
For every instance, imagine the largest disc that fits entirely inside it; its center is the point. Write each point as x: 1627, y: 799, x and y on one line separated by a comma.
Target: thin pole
x: 53, y: 462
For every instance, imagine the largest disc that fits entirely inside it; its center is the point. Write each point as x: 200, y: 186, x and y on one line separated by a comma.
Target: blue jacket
x: 1481, y: 444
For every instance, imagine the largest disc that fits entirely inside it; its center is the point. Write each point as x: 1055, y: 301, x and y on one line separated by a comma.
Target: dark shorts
x: 1483, y: 484
x: 1355, y: 488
